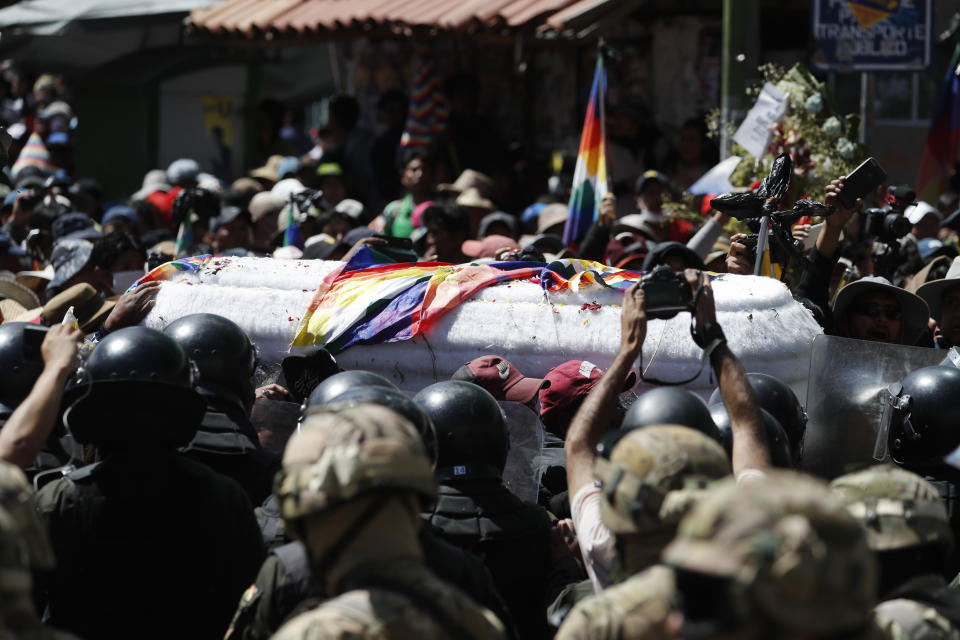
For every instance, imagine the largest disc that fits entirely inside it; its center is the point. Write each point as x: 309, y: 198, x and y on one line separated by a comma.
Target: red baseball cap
x: 500, y: 378
x: 570, y: 382
x: 488, y: 247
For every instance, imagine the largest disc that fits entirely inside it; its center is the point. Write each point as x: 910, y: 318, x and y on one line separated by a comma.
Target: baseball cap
x: 488, y: 247
x: 570, y: 382
x: 121, y: 213
x: 648, y: 177
x: 71, y: 226
x: 921, y: 210
x: 498, y: 376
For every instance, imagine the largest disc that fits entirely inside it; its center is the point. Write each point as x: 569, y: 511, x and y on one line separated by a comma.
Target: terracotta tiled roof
x: 304, y: 18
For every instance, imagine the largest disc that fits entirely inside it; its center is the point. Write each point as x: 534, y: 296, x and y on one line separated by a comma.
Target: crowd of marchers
x: 163, y: 484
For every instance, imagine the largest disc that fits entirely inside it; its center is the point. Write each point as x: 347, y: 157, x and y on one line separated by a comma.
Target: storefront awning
x: 47, y: 17
x: 306, y: 19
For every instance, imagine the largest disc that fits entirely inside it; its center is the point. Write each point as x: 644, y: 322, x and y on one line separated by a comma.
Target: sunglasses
x: 873, y: 310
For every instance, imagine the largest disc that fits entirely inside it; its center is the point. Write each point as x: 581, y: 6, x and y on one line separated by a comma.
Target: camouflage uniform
x: 23, y: 547
x: 653, y: 476
x: 902, y: 511
x: 347, y: 456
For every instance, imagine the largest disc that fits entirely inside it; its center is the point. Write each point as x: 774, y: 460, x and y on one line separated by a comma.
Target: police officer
x: 23, y: 548
x: 351, y: 489
x: 923, y: 431
x: 475, y: 511
x: 144, y: 531
x: 907, y: 528
x: 649, y: 479
x: 226, y: 441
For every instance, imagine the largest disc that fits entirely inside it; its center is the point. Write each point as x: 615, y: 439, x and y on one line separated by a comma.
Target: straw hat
x: 932, y: 292
x: 483, y: 183
x: 90, y: 307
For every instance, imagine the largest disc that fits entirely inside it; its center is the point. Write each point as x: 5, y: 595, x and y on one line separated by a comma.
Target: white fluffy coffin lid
x: 767, y: 329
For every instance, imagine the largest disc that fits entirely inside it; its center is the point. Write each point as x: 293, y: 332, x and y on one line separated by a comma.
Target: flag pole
x: 601, y: 52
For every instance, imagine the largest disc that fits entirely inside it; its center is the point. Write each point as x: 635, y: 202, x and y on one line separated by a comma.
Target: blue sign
x: 872, y: 35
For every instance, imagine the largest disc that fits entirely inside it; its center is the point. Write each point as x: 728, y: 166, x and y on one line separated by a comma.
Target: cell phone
x: 33, y: 336
x: 861, y: 181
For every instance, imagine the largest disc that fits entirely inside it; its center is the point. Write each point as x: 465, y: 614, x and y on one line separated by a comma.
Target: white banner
x: 754, y: 134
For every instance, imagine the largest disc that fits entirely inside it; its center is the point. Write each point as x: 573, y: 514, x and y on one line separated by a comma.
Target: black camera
x: 885, y: 224
x: 666, y: 293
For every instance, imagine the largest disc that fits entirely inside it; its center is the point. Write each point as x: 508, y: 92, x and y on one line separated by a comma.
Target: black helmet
x: 472, y: 437
x: 18, y: 372
x: 776, y: 437
x: 399, y: 402
x: 339, y: 383
x: 776, y: 397
x: 670, y: 405
x: 224, y: 355
x: 138, y: 384
x: 928, y: 427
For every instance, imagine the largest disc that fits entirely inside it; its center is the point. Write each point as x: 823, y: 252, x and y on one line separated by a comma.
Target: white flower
x: 814, y: 104
x: 845, y: 148
x: 832, y: 128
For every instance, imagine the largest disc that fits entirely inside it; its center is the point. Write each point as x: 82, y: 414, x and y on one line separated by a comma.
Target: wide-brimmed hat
x: 470, y: 178
x: 634, y: 223
x: 914, y: 310
x: 472, y: 198
x: 660, y: 251
x: 551, y: 215
x: 36, y: 280
x: 10, y: 289
x: 69, y: 257
x: 89, y: 306
x: 269, y: 169
x: 921, y: 277
x: 264, y: 203
x: 932, y: 292
x: 154, y: 180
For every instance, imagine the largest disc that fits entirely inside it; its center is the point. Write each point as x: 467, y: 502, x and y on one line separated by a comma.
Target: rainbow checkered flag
x: 590, y: 181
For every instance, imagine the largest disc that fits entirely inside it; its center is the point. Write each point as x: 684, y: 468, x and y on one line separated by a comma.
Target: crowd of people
x: 165, y: 484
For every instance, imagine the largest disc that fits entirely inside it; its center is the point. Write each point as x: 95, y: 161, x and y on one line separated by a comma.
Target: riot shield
x: 522, y: 473
x: 847, y: 396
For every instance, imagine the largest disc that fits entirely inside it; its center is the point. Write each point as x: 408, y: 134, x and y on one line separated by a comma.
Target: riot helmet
x: 137, y: 385
x: 777, y: 442
x: 223, y: 353
x: 339, y: 383
x: 472, y: 438
x: 395, y: 400
x: 20, y: 372
x: 779, y: 400
x: 924, y: 416
x: 671, y: 405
